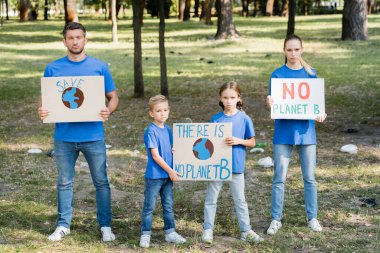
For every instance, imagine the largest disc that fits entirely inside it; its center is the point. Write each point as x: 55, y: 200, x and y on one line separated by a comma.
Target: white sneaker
x: 314, y: 225
x: 274, y: 227
x: 145, y: 241
x: 251, y: 236
x: 207, y: 236
x: 174, y: 238
x: 59, y: 233
x: 107, y: 235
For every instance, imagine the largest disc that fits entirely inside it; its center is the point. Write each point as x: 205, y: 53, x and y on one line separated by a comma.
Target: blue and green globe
x: 203, y: 149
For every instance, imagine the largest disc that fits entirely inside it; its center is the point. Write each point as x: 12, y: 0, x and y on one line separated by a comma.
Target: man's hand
x: 42, y: 113
x: 105, y: 113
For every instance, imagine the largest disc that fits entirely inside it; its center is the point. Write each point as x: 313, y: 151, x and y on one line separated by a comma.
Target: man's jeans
x: 241, y: 207
x: 164, y: 186
x: 66, y: 154
x: 307, y: 154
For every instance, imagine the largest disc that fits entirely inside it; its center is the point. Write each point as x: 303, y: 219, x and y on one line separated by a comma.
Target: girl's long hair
x: 234, y: 86
x: 303, y: 63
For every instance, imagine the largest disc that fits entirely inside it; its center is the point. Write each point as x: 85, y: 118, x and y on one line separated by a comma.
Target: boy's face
x: 160, y: 112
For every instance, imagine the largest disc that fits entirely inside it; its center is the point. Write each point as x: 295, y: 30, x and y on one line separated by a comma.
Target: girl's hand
x: 173, y: 175
x: 321, y: 118
x: 269, y: 101
x: 230, y: 141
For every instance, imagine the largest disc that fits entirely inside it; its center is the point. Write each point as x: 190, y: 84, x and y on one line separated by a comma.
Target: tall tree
x: 269, y: 9
x: 46, y: 10
x: 24, y: 10
x: 207, y: 11
x: 245, y: 10
x: 70, y: 11
x: 354, y: 21
x: 6, y: 9
x: 285, y: 8
x: 161, y: 32
x: 196, y: 8
x: 292, y: 17
x: 114, y: 22
x: 226, y: 26
x: 137, y: 6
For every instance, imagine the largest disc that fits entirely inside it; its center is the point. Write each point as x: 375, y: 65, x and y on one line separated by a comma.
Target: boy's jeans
x: 241, y: 207
x: 164, y: 186
x: 66, y: 154
x: 307, y: 154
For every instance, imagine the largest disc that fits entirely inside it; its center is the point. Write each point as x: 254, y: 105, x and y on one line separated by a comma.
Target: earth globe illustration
x: 203, y: 149
x: 72, y: 98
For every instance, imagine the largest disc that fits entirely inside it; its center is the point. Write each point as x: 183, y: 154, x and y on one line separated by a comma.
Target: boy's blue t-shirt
x: 291, y: 131
x: 80, y: 131
x: 162, y: 139
x: 242, y: 127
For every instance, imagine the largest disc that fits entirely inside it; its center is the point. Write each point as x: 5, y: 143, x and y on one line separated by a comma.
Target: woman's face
x: 293, y: 51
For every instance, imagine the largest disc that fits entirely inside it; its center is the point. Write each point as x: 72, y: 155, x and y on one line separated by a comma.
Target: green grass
x: 350, y: 70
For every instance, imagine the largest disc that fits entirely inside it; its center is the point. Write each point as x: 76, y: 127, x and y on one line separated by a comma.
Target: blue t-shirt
x: 80, y: 131
x: 162, y: 139
x: 242, y: 127
x: 291, y: 131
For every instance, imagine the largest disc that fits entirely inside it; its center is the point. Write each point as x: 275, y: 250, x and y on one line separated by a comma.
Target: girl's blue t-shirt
x: 289, y: 131
x: 80, y: 131
x: 242, y: 127
x: 162, y: 139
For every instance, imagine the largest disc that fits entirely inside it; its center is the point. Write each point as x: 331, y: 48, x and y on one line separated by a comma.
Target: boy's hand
x: 42, y: 113
x: 173, y: 175
x: 230, y: 141
x: 105, y: 113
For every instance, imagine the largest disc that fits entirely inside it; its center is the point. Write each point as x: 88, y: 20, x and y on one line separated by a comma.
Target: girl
x: 288, y: 133
x: 243, y: 136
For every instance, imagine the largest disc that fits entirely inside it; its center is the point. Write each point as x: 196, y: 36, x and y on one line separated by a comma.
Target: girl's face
x: 229, y: 98
x: 293, y: 51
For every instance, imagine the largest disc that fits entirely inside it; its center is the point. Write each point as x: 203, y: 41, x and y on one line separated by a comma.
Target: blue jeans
x: 307, y: 154
x: 164, y: 186
x: 66, y: 154
x: 241, y: 206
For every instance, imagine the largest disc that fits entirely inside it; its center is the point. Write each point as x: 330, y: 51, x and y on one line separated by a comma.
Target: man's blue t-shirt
x: 162, y: 139
x: 80, y: 131
x: 290, y: 131
x: 242, y: 127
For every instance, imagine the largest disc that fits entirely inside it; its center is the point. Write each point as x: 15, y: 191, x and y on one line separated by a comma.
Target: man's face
x: 75, y: 41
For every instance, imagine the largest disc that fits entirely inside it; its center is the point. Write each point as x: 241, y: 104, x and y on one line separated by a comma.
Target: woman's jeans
x: 66, y: 154
x: 241, y: 207
x: 164, y: 186
x: 307, y: 155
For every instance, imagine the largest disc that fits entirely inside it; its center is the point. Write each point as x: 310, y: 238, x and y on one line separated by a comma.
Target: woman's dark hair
x: 73, y: 26
x: 233, y: 86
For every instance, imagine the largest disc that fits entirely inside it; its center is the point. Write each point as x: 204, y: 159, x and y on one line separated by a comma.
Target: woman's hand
x: 269, y: 101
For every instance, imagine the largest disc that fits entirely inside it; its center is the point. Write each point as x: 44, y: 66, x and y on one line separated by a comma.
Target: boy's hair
x: 233, y: 86
x: 156, y: 100
x: 303, y: 63
x: 73, y: 26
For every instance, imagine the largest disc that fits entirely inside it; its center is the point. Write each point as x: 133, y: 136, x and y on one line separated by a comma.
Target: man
x: 86, y: 137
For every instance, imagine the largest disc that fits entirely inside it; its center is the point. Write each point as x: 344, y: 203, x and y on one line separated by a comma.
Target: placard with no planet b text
x: 297, y: 98
x: 73, y: 98
x: 200, y: 153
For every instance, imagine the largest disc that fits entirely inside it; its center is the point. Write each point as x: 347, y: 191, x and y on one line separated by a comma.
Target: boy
x: 159, y: 175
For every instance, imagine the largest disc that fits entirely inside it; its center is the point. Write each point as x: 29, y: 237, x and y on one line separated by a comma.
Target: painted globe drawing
x: 72, y: 98
x: 203, y: 149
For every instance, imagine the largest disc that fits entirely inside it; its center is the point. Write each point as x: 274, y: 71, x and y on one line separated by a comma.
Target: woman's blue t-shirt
x: 162, y: 139
x: 242, y: 127
x: 80, y: 131
x: 288, y: 131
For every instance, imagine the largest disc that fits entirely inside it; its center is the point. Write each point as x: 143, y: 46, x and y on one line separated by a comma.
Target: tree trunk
x: 114, y: 22
x: 24, y: 10
x: 269, y: 9
x: 184, y: 10
x: 70, y: 11
x: 110, y: 10
x: 56, y: 8
x: 285, y: 8
x: 292, y: 17
x: 6, y: 10
x: 207, y: 9
x: 354, y: 21
x: 256, y: 7
x: 226, y: 26
x: 245, y: 11
x: 196, y: 8
x: 164, y: 78
x: 46, y: 12
x: 138, y: 75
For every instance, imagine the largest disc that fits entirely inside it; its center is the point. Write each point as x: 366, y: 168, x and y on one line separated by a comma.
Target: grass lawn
x: 346, y: 183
